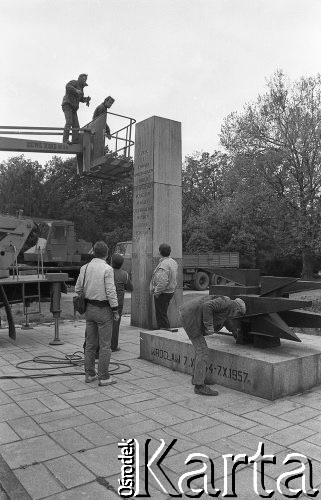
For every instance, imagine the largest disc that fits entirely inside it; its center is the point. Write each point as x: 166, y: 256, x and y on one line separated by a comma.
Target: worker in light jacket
x: 163, y: 285
x: 96, y: 279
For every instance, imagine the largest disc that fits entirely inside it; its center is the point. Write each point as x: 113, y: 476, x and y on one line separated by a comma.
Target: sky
x: 194, y: 61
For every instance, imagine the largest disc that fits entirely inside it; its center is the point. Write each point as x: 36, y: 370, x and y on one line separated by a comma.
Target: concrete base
x: 270, y: 373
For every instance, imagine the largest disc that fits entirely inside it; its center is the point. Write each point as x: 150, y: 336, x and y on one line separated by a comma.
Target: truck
x: 199, y: 270
x: 56, y: 246
x: 14, y: 231
x: 21, y: 283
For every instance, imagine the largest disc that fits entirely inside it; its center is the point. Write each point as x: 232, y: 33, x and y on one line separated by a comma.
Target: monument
x: 270, y: 373
x: 157, y: 213
x: 254, y: 361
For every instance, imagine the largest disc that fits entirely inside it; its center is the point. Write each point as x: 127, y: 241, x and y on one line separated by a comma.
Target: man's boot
x: 204, y: 390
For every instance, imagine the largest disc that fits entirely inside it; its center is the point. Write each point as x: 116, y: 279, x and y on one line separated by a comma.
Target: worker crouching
x: 205, y: 316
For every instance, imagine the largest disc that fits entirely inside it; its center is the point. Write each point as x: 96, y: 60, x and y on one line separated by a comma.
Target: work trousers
x: 201, y: 351
x: 99, y: 325
x: 201, y: 360
x: 161, y: 306
x: 71, y: 122
x: 116, y: 325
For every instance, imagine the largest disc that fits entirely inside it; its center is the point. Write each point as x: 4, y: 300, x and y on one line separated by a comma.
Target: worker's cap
x: 241, y: 305
x: 117, y: 260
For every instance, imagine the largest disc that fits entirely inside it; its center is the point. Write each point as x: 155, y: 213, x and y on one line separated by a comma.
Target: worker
x: 163, y: 285
x: 101, y: 109
x: 204, y: 316
x: 122, y: 283
x: 96, y: 279
x: 70, y: 104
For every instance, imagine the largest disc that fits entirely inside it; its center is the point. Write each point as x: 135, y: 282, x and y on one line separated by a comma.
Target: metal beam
x: 301, y: 286
x: 247, y: 277
x: 234, y: 291
x: 30, y: 145
x: 272, y: 325
x: 302, y: 319
x: 256, y: 305
x: 272, y: 284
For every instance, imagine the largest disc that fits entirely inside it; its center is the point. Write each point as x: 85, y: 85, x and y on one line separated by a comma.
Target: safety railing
x: 121, y: 133
x: 15, y: 130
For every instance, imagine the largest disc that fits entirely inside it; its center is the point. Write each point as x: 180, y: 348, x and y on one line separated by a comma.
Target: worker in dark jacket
x: 122, y: 284
x: 203, y: 316
x: 101, y: 109
x: 70, y: 104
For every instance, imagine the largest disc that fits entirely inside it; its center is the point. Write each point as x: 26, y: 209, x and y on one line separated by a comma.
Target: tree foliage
x: 202, y: 181
x: 21, y: 187
x: 261, y: 197
x: 56, y: 191
x: 278, y: 136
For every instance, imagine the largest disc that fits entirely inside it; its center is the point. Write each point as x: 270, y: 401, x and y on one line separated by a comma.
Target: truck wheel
x: 218, y: 280
x: 201, y: 281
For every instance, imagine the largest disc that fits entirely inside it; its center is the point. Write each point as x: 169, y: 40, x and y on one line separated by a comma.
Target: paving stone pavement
x: 59, y: 436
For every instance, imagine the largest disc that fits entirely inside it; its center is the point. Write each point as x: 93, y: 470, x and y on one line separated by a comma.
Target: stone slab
x: 267, y: 373
x: 157, y: 213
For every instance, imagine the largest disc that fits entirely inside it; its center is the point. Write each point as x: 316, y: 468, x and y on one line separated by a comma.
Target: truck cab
x: 59, y: 245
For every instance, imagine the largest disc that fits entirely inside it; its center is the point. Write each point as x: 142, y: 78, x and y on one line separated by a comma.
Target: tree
x: 56, y: 191
x: 97, y: 207
x: 279, y: 137
x: 22, y: 187
x: 202, y: 180
x: 199, y: 242
x: 203, y: 188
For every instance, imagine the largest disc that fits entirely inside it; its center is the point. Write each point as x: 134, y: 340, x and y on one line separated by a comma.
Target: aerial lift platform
x: 95, y: 159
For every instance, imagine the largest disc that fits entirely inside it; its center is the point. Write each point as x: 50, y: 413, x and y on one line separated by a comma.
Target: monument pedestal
x: 270, y: 373
x: 157, y: 213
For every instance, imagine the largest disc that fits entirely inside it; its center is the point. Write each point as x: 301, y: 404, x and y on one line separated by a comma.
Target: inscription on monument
x: 221, y: 371
x: 143, y: 194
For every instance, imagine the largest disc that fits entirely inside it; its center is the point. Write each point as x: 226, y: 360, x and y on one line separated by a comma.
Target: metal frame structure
x: 270, y: 312
x: 94, y: 158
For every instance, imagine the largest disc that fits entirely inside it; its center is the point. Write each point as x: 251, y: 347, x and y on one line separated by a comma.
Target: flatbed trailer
x: 199, y: 270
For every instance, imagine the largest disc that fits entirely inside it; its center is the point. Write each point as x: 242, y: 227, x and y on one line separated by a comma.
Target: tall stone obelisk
x: 157, y: 213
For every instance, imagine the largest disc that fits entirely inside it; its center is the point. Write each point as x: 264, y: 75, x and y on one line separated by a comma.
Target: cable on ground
x: 69, y: 361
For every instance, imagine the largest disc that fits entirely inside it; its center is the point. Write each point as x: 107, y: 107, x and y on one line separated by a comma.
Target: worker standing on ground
x: 122, y: 283
x: 96, y: 279
x: 163, y: 285
x: 101, y: 109
x: 70, y: 104
x: 203, y: 316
